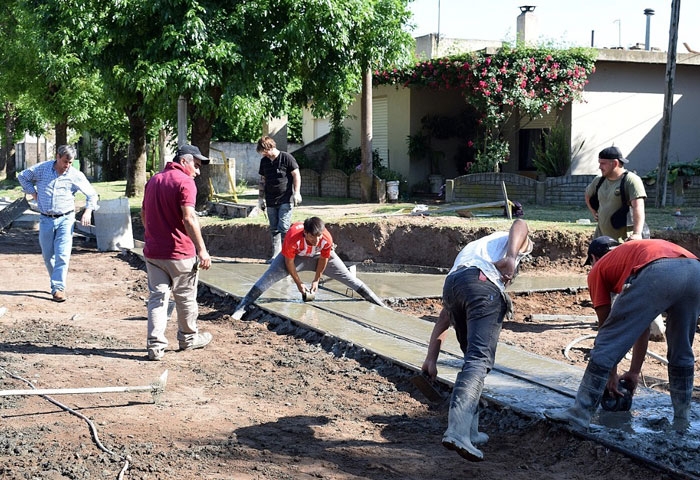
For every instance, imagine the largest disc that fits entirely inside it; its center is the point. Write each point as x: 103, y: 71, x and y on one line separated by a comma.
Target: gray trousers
x: 670, y: 285
x: 180, y: 277
x: 335, y: 269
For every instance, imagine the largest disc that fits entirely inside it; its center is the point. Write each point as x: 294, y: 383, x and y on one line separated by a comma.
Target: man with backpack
x: 611, y: 196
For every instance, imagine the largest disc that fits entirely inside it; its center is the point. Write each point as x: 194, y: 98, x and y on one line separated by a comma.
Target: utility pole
x: 437, y: 42
x: 181, y: 121
x: 619, y: 32
x: 662, y: 173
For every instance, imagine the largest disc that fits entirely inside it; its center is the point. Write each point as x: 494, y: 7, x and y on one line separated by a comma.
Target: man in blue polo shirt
x: 54, y: 185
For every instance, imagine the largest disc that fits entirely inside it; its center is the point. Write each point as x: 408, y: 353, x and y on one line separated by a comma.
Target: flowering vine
x: 526, y: 80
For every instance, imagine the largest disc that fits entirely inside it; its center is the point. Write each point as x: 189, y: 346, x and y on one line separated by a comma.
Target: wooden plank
x: 507, y: 205
x: 543, y: 317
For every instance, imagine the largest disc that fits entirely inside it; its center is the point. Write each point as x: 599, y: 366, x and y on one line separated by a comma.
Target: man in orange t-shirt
x: 307, y: 246
x: 651, y: 277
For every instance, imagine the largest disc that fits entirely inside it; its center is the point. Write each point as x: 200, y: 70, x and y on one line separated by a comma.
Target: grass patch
x: 331, y: 209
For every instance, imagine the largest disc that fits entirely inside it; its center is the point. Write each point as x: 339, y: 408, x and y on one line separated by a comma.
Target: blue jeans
x: 477, y: 308
x: 280, y: 218
x: 670, y: 285
x: 56, y: 240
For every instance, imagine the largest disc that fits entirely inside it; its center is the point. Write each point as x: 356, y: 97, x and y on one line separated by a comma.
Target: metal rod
x: 156, y: 388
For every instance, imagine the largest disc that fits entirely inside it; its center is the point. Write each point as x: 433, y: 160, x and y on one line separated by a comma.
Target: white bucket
x: 113, y: 225
x: 392, y: 190
x: 436, y: 182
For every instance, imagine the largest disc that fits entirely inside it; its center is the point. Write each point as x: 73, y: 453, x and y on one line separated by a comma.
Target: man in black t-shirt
x: 279, y: 189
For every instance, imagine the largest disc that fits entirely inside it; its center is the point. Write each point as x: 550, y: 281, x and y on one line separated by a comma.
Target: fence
x: 566, y: 190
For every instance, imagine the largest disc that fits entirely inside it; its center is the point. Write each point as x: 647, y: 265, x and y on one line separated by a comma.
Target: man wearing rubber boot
x: 475, y: 303
x: 651, y: 277
x: 307, y: 246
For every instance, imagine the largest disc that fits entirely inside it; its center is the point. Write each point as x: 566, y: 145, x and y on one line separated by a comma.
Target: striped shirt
x: 56, y: 193
x: 295, y: 243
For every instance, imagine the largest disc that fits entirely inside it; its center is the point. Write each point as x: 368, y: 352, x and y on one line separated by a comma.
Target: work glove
x: 261, y: 204
x: 297, y: 199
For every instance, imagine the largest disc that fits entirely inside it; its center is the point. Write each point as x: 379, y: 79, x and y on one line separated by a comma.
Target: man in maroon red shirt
x: 173, y: 242
x: 651, y: 277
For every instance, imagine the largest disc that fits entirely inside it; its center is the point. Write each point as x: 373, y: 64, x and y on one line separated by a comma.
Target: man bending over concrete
x: 307, y: 246
x: 650, y: 276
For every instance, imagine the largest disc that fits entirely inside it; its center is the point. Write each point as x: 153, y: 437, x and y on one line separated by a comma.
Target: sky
x: 563, y: 23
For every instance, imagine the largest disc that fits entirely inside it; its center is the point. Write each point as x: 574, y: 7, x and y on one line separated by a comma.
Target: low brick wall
x: 566, y: 190
x: 336, y: 183
x: 486, y: 187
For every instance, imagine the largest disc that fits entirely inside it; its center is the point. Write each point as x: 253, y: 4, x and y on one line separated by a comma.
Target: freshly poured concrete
x: 525, y: 382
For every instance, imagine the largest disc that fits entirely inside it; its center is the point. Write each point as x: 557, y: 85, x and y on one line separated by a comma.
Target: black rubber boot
x: 588, y: 397
x: 680, y: 382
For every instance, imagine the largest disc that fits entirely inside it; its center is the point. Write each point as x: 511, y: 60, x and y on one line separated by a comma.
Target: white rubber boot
x: 276, y: 246
x: 477, y: 437
x: 657, y: 329
x: 464, y: 405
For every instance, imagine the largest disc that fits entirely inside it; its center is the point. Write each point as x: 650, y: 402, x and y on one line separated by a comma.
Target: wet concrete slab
x: 520, y: 380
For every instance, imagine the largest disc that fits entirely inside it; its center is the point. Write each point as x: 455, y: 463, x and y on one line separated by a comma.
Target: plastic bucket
x: 392, y: 190
x: 113, y: 225
x: 436, y: 182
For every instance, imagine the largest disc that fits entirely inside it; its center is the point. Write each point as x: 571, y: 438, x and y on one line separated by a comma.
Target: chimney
x: 648, y: 12
x: 527, y: 28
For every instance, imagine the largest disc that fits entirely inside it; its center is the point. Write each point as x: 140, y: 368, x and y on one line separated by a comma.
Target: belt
x: 57, y: 215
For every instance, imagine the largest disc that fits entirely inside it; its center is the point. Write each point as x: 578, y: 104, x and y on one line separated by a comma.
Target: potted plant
x: 420, y: 147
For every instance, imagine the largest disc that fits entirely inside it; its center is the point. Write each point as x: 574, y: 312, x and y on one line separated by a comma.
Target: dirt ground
x: 262, y: 401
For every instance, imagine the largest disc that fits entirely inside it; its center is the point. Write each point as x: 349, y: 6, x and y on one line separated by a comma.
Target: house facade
x: 623, y: 105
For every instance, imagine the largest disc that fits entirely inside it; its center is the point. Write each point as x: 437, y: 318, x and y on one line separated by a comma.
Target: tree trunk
x: 161, y: 148
x: 7, y: 156
x: 61, y: 133
x: 202, y: 131
x: 366, y: 178
x: 136, y: 159
x: 201, y: 137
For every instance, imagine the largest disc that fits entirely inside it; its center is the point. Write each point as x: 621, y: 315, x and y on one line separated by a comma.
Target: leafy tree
x: 17, y: 70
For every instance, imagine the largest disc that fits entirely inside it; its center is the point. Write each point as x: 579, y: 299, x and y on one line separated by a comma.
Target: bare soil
x: 264, y: 400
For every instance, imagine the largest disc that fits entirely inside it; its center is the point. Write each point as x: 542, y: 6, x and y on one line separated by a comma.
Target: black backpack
x: 619, y: 218
x: 595, y: 203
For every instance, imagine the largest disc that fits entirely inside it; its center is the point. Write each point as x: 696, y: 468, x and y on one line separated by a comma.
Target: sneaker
x: 201, y: 340
x: 59, y: 296
x: 238, y: 314
x: 156, y: 354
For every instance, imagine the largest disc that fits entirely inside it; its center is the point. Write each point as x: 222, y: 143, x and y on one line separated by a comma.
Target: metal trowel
x: 425, y: 385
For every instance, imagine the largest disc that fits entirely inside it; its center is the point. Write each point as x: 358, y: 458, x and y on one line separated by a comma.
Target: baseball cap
x: 599, y: 247
x: 191, y: 150
x: 612, y: 153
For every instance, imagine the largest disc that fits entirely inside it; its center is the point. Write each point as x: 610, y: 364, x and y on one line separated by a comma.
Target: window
x: 528, y: 140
